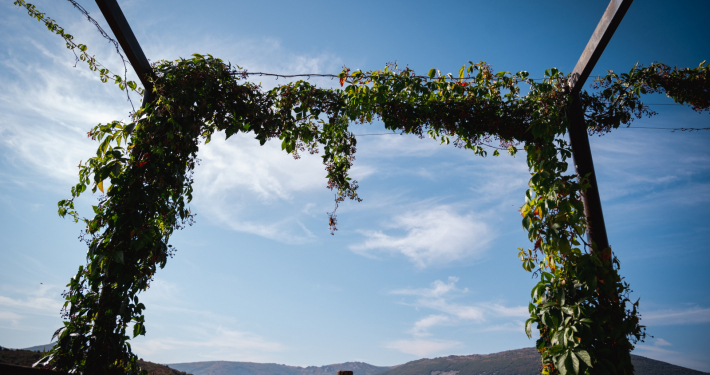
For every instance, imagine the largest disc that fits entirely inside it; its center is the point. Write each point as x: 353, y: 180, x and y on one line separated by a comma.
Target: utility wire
x: 332, y: 76
x: 673, y: 129
x: 630, y: 127
x: 111, y: 40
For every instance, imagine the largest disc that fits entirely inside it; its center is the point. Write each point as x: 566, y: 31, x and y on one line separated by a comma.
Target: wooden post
x: 122, y: 30
x: 584, y: 165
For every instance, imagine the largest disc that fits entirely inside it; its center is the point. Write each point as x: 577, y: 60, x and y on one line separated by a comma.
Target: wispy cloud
x: 693, y: 315
x: 440, y: 296
x: 241, y: 186
x: 516, y: 326
x: 627, y: 169
x: 257, y: 189
x: 393, y: 145
x: 48, y: 105
x: 47, y: 135
x: 438, y: 289
x: 660, y: 350
x: 268, y: 173
x: 421, y: 327
x: 255, y: 55
x: 9, y: 316
x: 40, y: 301
x: 422, y: 347
x: 16, y: 313
x: 210, y: 335
x: 211, y: 343
x: 515, y: 311
x: 434, y: 236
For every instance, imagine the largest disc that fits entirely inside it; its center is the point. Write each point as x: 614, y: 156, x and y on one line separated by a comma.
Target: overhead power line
x: 333, y: 76
x: 364, y: 76
x: 630, y: 127
x: 673, y: 129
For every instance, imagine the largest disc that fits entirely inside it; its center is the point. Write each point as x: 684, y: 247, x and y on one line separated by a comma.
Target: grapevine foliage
x: 581, y: 305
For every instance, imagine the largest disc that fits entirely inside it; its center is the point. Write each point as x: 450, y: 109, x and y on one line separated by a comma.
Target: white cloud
x: 242, y: 186
x: 659, y: 352
x: 516, y: 311
x: 459, y: 311
x: 421, y: 327
x: 51, y: 154
x: 438, y: 289
x: 257, y: 189
x: 240, y: 164
x: 421, y: 347
x: 48, y: 105
x: 694, y: 315
x: 434, y: 236
x: 439, y: 296
x: 503, y: 179
x: 20, y: 313
x: 518, y: 326
x: 9, y: 316
x: 36, y: 302
x: 211, y: 335
x: 211, y: 343
x: 626, y: 167
x: 393, y: 145
x: 47, y: 135
x: 255, y: 55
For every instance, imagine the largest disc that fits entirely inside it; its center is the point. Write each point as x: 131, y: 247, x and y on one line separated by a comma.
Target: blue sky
x: 426, y: 265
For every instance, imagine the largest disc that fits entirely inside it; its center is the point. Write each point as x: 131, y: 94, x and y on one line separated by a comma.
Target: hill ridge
x: 525, y: 361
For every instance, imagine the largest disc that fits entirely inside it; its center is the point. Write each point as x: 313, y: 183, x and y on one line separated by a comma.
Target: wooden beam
x: 584, y: 166
x: 122, y: 30
x: 579, y: 140
x: 597, y: 43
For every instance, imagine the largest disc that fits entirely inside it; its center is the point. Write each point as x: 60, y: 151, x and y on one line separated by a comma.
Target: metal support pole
x: 122, y: 30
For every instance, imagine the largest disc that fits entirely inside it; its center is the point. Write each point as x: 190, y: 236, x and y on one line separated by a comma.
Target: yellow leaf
x: 101, y: 186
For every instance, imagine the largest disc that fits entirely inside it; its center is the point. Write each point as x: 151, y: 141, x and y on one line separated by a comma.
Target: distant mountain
x: 513, y: 362
x: 250, y: 368
x: 41, y: 348
x: 19, y: 357
x: 27, y: 357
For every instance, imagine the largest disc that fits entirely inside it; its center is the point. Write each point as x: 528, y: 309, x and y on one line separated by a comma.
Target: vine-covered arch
x: 581, y: 306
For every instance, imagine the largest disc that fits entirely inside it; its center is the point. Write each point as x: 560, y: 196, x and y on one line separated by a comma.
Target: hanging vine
x: 581, y: 306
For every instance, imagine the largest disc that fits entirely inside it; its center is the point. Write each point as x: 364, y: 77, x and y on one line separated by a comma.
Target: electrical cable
x: 629, y: 127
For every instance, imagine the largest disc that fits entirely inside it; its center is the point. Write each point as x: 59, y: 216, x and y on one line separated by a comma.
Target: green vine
x: 104, y: 74
x: 581, y: 305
